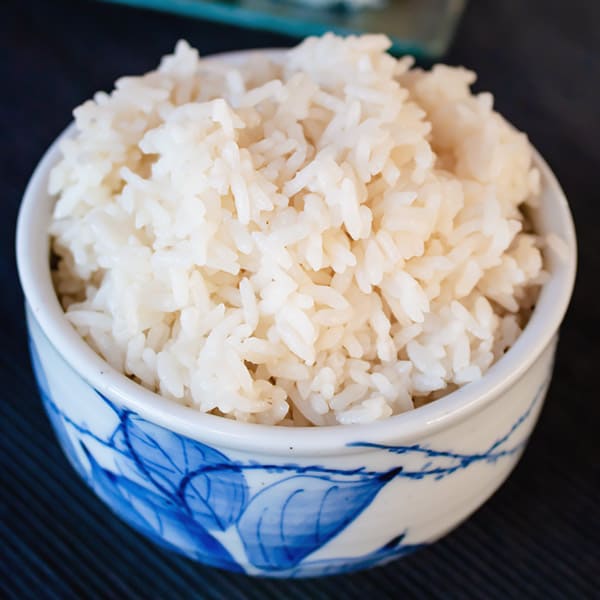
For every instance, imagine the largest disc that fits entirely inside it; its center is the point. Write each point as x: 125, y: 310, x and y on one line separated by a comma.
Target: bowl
x: 288, y: 502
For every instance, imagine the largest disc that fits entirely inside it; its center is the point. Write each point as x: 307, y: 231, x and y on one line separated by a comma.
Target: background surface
x: 538, y: 537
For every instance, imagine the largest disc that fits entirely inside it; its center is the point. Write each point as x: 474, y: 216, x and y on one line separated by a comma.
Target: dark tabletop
x: 538, y: 537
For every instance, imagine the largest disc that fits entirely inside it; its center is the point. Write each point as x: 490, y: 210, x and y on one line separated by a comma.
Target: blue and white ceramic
x: 281, y: 502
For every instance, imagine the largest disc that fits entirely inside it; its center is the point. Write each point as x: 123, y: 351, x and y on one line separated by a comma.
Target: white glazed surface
x: 430, y: 468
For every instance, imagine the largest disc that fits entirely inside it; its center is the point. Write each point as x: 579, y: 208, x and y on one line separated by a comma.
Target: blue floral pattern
x: 190, y: 497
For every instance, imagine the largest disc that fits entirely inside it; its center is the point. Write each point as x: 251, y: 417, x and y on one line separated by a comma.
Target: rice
x: 325, y: 236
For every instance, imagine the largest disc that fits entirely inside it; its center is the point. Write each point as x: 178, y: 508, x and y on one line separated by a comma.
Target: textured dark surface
x: 538, y: 537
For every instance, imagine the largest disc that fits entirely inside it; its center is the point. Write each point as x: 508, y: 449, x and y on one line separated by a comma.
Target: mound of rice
x: 326, y: 236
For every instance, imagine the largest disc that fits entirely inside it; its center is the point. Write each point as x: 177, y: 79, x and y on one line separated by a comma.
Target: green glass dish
x: 423, y: 28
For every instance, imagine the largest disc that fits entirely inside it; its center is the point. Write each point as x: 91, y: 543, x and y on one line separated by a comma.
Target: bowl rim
x: 34, y: 274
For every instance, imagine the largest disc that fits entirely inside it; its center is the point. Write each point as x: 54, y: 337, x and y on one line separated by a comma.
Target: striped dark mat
x: 539, y: 535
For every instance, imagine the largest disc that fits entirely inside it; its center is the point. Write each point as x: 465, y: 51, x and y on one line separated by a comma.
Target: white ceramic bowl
x: 277, y: 501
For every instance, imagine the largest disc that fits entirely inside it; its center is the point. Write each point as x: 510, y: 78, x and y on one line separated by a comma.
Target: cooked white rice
x: 324, y: 237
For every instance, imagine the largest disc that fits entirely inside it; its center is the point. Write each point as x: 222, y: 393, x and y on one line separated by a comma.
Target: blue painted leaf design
x: 293, y: 517
x: 112, y: 489
x: 439, y: 464
x: 394, y: 549
x: 211, y: 486
x: 216, y: 495
x: 158, y: 516
x: 120, y: 412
